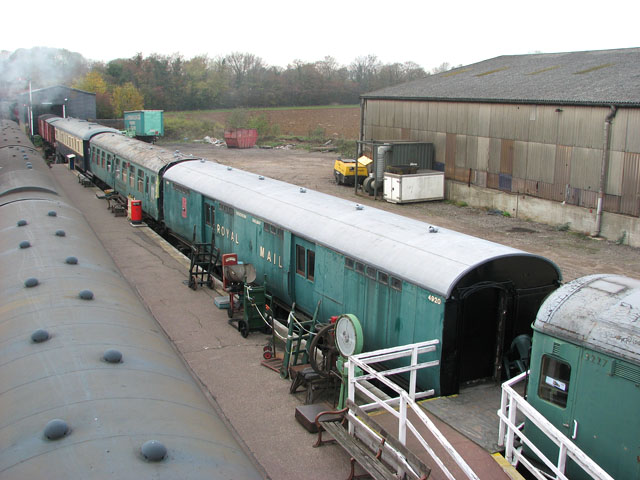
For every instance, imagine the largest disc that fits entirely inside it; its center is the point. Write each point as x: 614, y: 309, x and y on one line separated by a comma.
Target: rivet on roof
x: 60, y: 233
x: 153, y: 451
x: 25, y: 244
x: 40, y: 336
x: 112, y: 356
x: 56, y: 429
x: 31, y: 282
x: 52, y: 213
x: 22, y: 223
x: 86, y: 295
x: 71, y: 260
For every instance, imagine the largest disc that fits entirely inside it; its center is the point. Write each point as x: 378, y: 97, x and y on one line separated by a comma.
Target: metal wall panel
x: 403, y: 114
x: 509, y: 119
x: 462, y: 120
x: 484, y: 119
x: 519, y: 168
x: 590, y: 127
x: 517, y: 185
x: 612, y: 203
x: 473, y: 118
x: 622, y: 131
x: 472, y: 152
x: 567, y: 126
x: 415, y: 116
x: 481, y: 178
x: 432, y: 121
x: 562, y: 171
x: 441, y: 118
x: 372, y: 112
x: 506, y: 156
x: 540, y: 162
x: 461, y: 151
x: 614, y: 174
x: 452, y: 117
x: 482, y: 157
x: 633, y: 131
x: 588, y: 199
x: 495, y: 148
x: 630, y: 202
x: 496, y: 121
x: 387, y: 113
x: 440, y: 142
x: 450, y: 155
x: 522, y: 118
x: 585, y: 168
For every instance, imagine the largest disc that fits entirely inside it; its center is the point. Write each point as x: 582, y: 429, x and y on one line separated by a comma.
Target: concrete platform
x: 253, y: 399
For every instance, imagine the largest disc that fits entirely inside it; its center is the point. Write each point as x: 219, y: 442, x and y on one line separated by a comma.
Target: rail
x: 405, y: 400
x: 510, y: 432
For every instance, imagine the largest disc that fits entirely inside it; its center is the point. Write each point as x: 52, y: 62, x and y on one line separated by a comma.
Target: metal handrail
x: 512, y: 403
x: 405, y: 399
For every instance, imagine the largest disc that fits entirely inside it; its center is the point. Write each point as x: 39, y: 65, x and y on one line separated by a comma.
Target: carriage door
x: 209, y: 221
x: 304, y: 257
x: 484, y: 324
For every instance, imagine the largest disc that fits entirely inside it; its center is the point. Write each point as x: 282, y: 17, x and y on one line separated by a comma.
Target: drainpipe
x: 605, y: 166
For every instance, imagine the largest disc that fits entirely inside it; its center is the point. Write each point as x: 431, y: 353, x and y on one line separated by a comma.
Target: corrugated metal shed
x: 598, y: 77
x: 364, y: 234
x: 601, y: 312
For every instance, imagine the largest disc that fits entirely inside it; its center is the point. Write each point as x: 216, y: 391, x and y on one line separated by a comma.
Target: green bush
x: 180, y: 128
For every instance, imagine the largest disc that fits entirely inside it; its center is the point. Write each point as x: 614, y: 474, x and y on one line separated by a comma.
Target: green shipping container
x: 144, y: 123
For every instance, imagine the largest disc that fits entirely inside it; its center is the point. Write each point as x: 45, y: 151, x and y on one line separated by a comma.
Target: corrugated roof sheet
x: 601, y: 77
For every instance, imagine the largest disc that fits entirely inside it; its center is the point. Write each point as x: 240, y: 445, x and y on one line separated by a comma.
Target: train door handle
x: 575, y: 430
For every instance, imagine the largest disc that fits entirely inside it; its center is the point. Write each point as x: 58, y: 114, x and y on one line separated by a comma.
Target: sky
x: 282, y: 31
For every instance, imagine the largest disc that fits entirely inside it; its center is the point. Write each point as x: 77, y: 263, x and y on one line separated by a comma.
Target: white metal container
x: 419, y: 187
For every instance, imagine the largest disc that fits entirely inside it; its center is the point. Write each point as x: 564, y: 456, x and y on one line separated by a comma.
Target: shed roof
x: 432, y: 258
x: 600, y: 77
x: 601, y: 312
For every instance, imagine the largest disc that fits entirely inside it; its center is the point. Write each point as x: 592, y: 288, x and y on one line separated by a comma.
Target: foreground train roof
x: 599, y: 311
x: 431, y: 257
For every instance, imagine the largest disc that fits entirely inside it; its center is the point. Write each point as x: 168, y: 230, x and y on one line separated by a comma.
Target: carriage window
x: 383, y: 278
x: 311, y: 264
x: 124, y: 172
x: 300, y: 260
x: 359, y: 267
x: 396, y: 283
x: 207, y: 214
x: 102, y: 159
x: 93, y: 154
x: 554, y: 381
x: 349, y: 263
x: 372, y: 272
x: 132, y: 175
x: 108, y: 163
x: 146, y: 186
x: 153, y: 187
x: 140, y: 179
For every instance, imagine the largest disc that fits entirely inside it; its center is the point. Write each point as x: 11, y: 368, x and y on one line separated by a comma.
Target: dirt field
x: 575, y: 254
x: 341, y: 123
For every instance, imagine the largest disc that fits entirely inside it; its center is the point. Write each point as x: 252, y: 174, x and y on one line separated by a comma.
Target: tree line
x: 236, y: 80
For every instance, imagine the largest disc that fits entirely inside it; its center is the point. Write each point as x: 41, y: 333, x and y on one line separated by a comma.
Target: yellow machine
x: 344, y: 170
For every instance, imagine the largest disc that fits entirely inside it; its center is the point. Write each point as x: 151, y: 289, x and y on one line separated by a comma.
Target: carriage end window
x: 554, y: 381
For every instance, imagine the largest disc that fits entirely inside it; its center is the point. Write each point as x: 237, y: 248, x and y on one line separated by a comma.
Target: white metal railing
x: 513, y: 403
x: 406, y: 400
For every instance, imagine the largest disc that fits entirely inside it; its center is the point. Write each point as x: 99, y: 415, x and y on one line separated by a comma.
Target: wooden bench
x: 363, y: 454
x: 84, y: 180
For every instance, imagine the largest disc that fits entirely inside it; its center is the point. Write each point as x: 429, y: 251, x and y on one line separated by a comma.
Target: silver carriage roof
x: 144, y: 154
x: 601, y: 312
x: 82, y: 128
x: 431, y: 257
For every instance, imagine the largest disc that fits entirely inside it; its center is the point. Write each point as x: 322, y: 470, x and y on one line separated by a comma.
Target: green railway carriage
x: 585, y: 372
x: 132, y: 168
x: 72, y: 137
x: 406, y: 281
